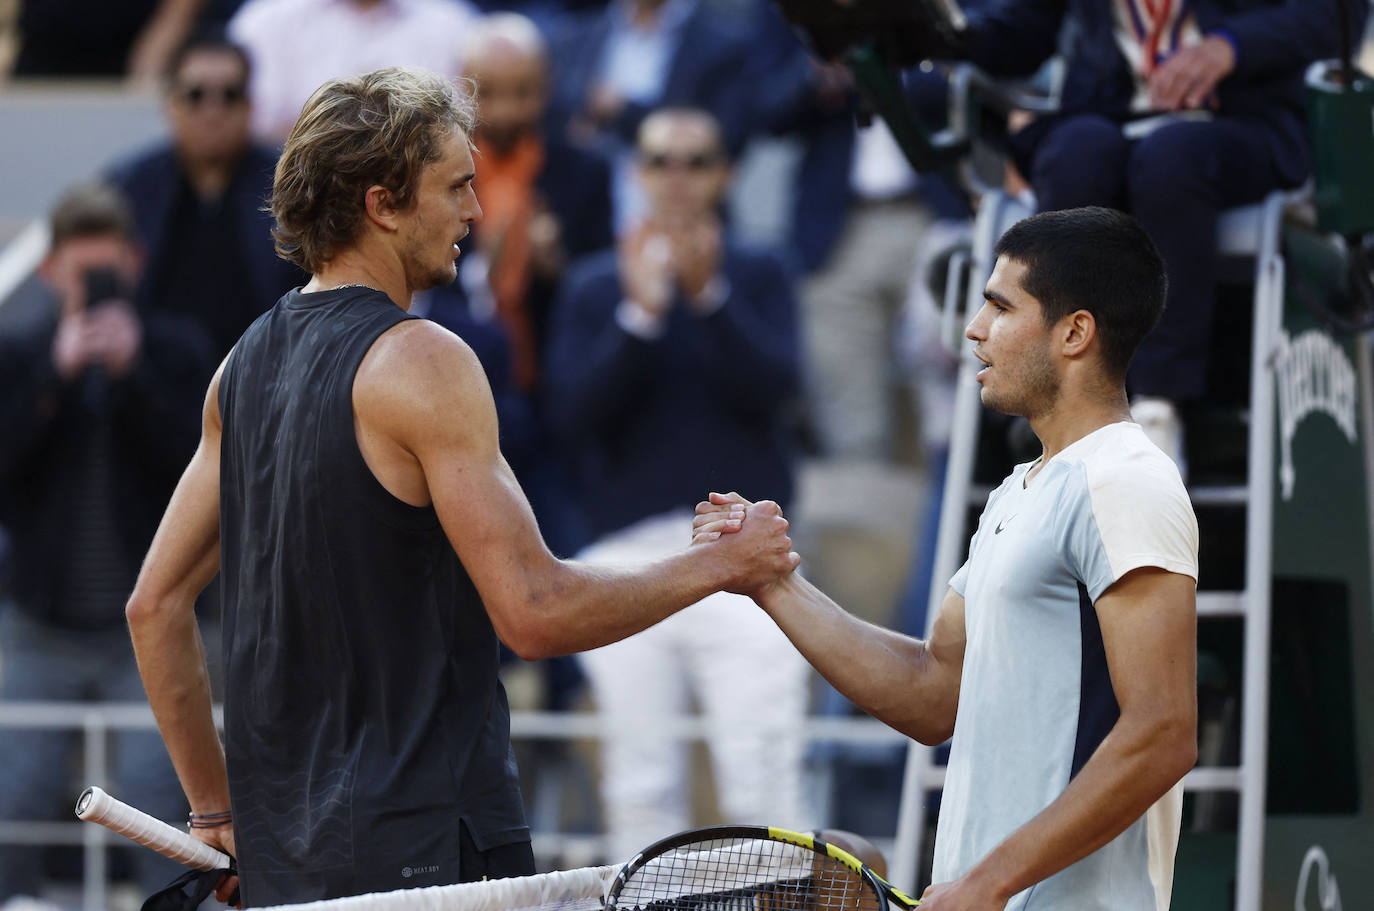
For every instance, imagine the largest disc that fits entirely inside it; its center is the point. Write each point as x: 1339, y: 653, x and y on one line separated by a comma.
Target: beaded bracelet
x: 209, y: 820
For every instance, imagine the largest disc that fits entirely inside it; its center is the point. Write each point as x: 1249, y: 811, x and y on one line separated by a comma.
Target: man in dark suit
x: 198, y: 199
x: 678, y: 337
x: 1173, y: 111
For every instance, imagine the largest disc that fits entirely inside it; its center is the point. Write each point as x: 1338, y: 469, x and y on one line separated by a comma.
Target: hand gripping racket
x: 97, y: 806
x: 749, y: 868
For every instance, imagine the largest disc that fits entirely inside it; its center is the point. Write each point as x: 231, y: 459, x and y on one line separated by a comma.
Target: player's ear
x: 1077, y: 331
x: 381, y: 207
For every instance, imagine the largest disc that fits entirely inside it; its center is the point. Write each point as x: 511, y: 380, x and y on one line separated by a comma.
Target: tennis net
x: 722, y: 877
x: 582, y: 889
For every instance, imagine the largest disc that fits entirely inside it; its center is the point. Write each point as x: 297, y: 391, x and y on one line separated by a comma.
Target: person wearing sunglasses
x: 198, y: 197
x: 682, y: 342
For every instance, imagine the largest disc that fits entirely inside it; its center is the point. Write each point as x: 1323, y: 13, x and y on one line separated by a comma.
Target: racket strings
x: 745, y: 874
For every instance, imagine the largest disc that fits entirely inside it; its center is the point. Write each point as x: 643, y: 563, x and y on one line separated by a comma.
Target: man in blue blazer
x: 198, y: 199
x: 1173, y: 110
x: 672, y: 362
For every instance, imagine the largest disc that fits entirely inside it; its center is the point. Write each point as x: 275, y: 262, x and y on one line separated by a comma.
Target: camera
x: 105, y: 284
x: 904, y: 32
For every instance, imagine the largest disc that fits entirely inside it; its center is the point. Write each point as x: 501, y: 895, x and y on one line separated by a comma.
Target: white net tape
x: 562, y: 890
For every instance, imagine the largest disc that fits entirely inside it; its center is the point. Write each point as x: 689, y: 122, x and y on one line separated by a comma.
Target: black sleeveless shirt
x: 363, y: 715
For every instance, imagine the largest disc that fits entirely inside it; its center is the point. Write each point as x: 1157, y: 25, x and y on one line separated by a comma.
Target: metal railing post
x: 95, y: 869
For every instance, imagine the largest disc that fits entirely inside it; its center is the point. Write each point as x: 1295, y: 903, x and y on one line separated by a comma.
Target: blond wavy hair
x: 377, y: 129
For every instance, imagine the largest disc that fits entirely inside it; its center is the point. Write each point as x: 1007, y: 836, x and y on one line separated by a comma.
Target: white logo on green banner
x: 1314, y: 375
x: 1327, y: 893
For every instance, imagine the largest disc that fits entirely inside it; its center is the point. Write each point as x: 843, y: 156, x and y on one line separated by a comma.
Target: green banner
x: 1319, y: 833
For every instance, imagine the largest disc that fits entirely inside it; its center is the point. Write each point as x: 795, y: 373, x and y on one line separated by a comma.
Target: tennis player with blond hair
x: 371, y: 541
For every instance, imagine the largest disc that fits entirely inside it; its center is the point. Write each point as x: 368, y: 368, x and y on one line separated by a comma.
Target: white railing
x: 97, y: 719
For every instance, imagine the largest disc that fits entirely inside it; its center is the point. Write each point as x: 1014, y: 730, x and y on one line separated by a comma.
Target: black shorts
x: 515, y: 859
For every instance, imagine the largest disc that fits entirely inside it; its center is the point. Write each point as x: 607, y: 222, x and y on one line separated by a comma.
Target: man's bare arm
x: 424, y: 389
x: 1149, y: 630
x: 184, y: 557
x: 909, y: 684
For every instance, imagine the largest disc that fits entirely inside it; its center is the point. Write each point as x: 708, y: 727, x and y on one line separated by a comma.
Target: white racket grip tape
x: 95, y: 805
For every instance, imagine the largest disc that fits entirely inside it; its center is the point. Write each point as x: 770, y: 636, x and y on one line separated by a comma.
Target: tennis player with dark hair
x: 1063, y: 659
x: 371, y: 541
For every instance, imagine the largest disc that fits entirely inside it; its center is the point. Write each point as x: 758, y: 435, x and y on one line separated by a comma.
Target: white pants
x: 850, y: 313
x: 751, y: 683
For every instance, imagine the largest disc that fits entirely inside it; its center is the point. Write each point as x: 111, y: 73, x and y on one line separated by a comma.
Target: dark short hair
x: 207, y: 38
x: 1094, y: 259
x: 91, y: 210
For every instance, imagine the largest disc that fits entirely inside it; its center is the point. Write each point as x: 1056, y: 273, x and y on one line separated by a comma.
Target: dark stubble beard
x: 421, y: 277
x: 1038, y: 387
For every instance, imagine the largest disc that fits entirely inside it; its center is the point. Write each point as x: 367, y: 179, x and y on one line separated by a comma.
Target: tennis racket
x: 749, y: 868
x: 95, y: 805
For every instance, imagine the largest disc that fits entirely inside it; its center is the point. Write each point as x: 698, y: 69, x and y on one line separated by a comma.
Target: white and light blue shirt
x: 1036, y: 699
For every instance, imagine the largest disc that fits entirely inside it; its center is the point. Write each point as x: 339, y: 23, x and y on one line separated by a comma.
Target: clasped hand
x: 756, y: 540
x: 661, y: 256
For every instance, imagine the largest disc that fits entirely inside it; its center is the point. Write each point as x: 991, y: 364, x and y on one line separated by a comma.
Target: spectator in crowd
x: 296, y: 45
x: 677, y: 337
x: 856, y: 291
x: 100, y: 403
x: 98, y: 38
x: 861, y: 221
x: 612, y: 67
x: 545, y: 202
x: 1172, y: 112
x: 198, y: 198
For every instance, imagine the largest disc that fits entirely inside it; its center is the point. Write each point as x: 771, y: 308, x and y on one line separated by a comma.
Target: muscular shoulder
x: 418, y: 378
x: 418, y: 360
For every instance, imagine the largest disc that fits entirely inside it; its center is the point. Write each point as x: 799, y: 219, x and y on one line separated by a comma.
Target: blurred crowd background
x: 700, y: 268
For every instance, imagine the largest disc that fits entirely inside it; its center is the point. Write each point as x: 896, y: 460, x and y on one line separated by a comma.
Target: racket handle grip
x: 95, y: 805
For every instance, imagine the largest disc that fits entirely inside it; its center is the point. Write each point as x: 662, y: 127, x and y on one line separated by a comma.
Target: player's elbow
x: 932, y: 735
x: 142, y: 609
x: 930, y: 727
x: 523, y: 633
x: 1185, y: 752
x: 1174, y: 748
x: 529, y: 644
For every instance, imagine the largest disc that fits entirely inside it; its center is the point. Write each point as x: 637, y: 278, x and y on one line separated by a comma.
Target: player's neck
x: 354, y: 267
x: 1071, y: 418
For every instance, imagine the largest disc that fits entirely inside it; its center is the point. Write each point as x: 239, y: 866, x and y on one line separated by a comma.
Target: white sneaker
x: 1162, y: 425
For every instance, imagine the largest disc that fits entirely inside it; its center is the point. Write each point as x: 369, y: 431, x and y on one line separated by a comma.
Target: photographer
x: 100, y: 406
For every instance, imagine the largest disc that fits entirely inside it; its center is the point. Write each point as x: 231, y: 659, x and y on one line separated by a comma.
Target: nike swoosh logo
x: 1003, y: 524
